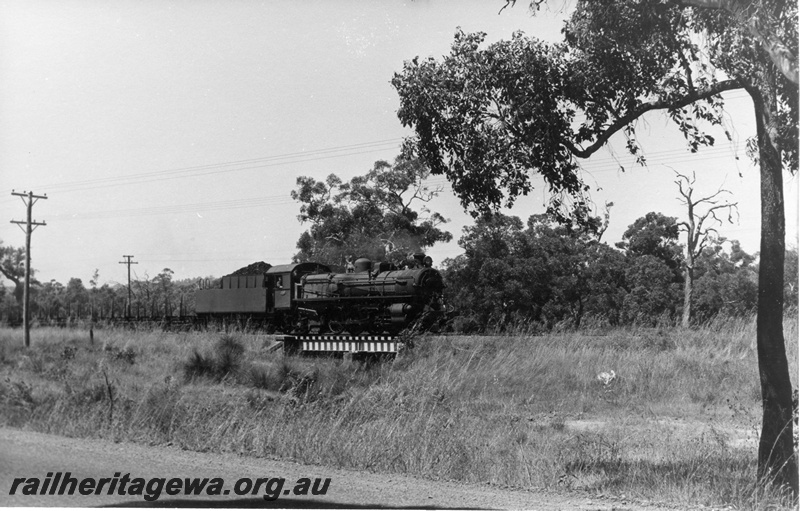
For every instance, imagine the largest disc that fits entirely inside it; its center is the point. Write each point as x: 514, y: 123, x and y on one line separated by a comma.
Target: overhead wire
x: 590, y: 166
x: 222, y: 167
x: 274, y: 200
x: 308, y: 156
x: 600, y: 164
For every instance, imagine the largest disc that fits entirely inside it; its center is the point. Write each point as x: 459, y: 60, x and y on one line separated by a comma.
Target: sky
x: 175, y: 130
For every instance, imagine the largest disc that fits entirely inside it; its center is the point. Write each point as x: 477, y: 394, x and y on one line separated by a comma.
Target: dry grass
x: 678, y: 423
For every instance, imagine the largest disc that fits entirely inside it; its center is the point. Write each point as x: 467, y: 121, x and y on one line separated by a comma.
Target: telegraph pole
x: 129, y: 263
x: 29, y: 199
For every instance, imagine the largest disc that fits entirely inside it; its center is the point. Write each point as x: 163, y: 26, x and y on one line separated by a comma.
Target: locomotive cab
x: 285, y: 282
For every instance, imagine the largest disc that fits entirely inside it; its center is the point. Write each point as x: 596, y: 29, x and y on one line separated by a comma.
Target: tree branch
x: 661, y: 104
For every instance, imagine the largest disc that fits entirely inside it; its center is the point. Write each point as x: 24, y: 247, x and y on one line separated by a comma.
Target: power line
x: 596, y: 164
x: 272, y: 200
x: 237, y: 166
x: 590, y: 167
x: 210, y: 171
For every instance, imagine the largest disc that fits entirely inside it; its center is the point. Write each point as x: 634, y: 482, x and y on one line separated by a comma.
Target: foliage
x: 12, y: 262
x: 76, y: 294
x: 12, y: 267
x: 727, y: 282
x: 53, y: 302
x: 544, y: 273
x: 653, y: 273
x: 654, y: 235
x: 547, y: 274
x: 371, y: 216
x: 654, y: 293
x: 488, y: 116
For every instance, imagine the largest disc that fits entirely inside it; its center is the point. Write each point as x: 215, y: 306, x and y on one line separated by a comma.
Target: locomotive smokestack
x: 363, y: 264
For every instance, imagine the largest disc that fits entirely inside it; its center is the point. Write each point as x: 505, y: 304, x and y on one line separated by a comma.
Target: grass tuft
x: 225, y: 361
x: 198, y: 366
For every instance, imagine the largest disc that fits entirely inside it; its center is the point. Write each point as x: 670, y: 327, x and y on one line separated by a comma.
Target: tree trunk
x: 688, y: 289
x: 776, y: 460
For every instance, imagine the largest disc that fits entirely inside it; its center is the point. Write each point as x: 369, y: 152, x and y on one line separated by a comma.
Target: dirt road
x: 28, y: 455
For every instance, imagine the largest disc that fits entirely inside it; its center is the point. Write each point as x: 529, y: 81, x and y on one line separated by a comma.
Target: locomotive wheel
x: 335, y: 326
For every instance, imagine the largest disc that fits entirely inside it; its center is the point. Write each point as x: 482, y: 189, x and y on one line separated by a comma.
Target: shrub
x: 229, y: 351
x: 16, y: 393
x: 277, y: 377
x: 226, y: 360
x: 126, y: 355
x: 198, y: 366
x: 260, y: 377
x: 68, y: 353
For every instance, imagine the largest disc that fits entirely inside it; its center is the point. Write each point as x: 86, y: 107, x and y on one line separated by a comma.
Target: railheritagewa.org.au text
x: 154, y: 488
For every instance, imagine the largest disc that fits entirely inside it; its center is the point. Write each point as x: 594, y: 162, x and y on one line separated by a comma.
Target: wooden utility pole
x: 129, y: 263
x: 29, y: 199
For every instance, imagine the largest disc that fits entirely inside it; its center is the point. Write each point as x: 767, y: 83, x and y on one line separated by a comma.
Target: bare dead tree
x: 700, y: 226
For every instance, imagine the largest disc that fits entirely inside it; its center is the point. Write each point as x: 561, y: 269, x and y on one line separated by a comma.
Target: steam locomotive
x: 369, y: 297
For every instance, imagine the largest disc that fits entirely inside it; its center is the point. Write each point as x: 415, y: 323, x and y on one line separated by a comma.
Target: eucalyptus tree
x: 487, y: 117
x: 383, y: 214
x: 726, y: 280
x: 541, y: 273
x: 12, y: 267
x: 653, y: 275
x: 654, y: 234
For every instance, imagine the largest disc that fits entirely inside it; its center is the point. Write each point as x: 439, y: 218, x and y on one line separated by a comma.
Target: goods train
x: 370, y: 297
